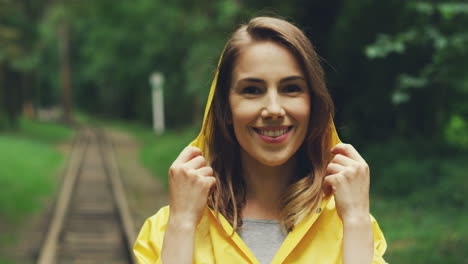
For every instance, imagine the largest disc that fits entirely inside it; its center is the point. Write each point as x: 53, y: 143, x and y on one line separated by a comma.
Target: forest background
x: 397, y: 71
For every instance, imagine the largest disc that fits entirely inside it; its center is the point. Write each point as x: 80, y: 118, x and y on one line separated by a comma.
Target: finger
x: 205, y: 171
x: 209, y: 181
x: 348, y: 150
x: 343, y: 160
x: 187, y: 154
x: 329, y: 184
x: 334, y: 168
x: 196, y: 162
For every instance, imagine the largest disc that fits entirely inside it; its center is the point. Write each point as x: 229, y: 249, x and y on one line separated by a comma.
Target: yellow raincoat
x: 317, y: 238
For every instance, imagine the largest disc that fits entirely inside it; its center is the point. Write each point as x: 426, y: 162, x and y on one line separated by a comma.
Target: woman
x: 266, y: 180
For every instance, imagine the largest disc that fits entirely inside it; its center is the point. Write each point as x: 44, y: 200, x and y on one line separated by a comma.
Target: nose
x: 273, y: 108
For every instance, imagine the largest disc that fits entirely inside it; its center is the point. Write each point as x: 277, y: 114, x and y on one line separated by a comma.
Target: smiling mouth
x: 273, y: 132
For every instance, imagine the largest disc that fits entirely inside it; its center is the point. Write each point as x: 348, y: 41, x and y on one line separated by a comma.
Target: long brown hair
x: 305, y: 192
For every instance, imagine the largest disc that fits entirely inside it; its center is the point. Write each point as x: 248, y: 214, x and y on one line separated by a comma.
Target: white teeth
x: 273, y: 133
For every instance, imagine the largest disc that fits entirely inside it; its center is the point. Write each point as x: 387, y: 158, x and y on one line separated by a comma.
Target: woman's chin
x: 274, y: 161
x: 266, y: 156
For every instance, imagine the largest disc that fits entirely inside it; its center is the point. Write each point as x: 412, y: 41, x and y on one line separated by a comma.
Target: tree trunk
x: 27, y: 97
x: 63, y: 36
x: 12, y: 96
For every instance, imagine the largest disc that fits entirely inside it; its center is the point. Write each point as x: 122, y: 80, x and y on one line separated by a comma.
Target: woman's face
x: 270, y: 103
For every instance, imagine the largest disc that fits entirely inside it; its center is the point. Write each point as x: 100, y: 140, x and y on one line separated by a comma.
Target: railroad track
x: 91, y: 222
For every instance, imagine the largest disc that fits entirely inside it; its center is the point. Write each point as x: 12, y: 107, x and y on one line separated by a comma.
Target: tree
x: 19, y: 49
x: 431, y: 98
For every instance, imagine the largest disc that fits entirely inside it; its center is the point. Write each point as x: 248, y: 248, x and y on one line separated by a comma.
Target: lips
x: 273, y: 132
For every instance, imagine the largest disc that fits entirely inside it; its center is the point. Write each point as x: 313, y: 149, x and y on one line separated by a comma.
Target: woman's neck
x: 265, y: 186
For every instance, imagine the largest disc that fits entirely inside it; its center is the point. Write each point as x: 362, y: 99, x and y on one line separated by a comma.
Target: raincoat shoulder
x: 316, y: 239
x: 148, y: 246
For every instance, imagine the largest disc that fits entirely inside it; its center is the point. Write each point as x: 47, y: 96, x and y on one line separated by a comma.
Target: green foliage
x: 456, y: 133
x: 385, y: 45
x: 20, y: 53
x: 362, y: 88
x: 121, y: 44
x: 419, y: 172
x: 439, y: 34
x: 10, y: 34
x: 29, y: 163
x: 18, y: 34
x: 115, y: 46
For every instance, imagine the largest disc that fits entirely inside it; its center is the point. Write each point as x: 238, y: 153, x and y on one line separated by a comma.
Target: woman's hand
x: 347, y: 176
x: 190, y: 180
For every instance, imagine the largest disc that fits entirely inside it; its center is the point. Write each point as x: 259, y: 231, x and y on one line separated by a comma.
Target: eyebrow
x: 287, y: 79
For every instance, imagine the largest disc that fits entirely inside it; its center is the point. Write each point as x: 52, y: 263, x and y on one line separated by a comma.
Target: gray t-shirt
x: 263, y: 237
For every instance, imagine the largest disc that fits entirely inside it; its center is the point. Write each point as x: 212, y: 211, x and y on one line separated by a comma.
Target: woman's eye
x: 251, y: 90
x: 292, y: 88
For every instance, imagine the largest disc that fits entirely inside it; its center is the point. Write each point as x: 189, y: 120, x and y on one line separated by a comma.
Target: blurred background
x: 397, y: 71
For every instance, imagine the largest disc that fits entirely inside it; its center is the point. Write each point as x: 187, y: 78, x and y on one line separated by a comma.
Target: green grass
x: 43, y: 132
x: 421, y: 200
x: 25, y: 175
x: 5, y: 261
x: 422, y: 234
x: 29, y: 163
x: 6, y: 238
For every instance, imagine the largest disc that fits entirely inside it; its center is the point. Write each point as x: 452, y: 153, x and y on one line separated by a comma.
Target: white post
x: 156, y: 81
